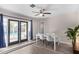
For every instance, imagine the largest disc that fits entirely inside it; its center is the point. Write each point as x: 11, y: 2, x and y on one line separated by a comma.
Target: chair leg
x: 43, y: 41
x: 46, y: 43
x: 36, y: 41
x: 58, y: 43
x: 54, y: 46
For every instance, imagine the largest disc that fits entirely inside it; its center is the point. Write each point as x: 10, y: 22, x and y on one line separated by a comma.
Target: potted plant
x: 71, y: 33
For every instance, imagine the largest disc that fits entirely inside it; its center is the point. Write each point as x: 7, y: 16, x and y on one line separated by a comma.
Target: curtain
x: 2, y: 40
x: 31, y: 29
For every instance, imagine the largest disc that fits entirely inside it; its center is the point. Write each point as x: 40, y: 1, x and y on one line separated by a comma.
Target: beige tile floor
x: 39, y: 48
x: 15, y: 47
x: 31, y: 49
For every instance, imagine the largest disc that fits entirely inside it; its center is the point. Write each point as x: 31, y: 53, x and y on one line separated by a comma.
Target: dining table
x: 44, y: 37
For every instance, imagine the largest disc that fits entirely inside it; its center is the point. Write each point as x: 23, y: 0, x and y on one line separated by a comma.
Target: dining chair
x: 40, y: 37
x: 49, y: 39
x: 55, y: 39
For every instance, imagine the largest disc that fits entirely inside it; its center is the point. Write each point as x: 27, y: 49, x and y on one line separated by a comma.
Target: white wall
x: 65, y: 16
x: 35, y: 27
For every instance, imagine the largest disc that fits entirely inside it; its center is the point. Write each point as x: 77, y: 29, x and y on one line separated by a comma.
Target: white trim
x: 70, y: 44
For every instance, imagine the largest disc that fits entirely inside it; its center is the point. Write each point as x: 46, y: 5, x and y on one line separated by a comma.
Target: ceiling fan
x: 42, y: 11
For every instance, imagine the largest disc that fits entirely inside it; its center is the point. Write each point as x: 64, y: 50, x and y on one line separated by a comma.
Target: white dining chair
x: 40, y: 36
x: 49, y: 39
x: 55, y: 39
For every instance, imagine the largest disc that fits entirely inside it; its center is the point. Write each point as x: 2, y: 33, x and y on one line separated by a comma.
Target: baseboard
x: 70, y: 44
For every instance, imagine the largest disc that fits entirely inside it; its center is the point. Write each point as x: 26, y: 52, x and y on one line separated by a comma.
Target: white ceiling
x: 26, y: 10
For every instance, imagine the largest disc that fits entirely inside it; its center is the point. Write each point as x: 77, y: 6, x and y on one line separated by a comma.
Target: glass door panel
x: 13, y: 31
x: 24, y: 30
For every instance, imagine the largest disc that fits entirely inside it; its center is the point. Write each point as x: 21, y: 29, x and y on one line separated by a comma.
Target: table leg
x: 36, y: 40
x: 54, y: 45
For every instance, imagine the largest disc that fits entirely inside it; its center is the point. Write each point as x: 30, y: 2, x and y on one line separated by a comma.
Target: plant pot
x: 75, y: 49
x: 75, y: 52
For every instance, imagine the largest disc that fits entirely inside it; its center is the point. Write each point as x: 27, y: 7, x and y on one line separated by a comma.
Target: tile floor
x: 15, y: 47
x: 40, y: 48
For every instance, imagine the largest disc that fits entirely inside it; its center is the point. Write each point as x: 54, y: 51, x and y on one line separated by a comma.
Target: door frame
x: 11, y: 43
x: 26, y: 32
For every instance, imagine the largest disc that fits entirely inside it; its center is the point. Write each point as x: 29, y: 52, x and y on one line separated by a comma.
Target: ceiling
x: 26, y: 10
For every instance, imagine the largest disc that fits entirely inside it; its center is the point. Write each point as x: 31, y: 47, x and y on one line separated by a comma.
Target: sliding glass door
x: 13, y: 31
x: 17, y: 31
x: 24, y: 31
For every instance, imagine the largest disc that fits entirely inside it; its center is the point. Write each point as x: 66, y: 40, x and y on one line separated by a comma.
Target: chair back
x: 41, y: 36
x: 48, y: 37
x: 54, y: 36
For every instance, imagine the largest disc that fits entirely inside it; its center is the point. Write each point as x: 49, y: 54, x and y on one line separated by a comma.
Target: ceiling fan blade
x: 47, y: 13
x: 37, y: 14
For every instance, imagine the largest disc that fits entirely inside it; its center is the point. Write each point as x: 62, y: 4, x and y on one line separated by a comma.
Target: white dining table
x: 43, y: 36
